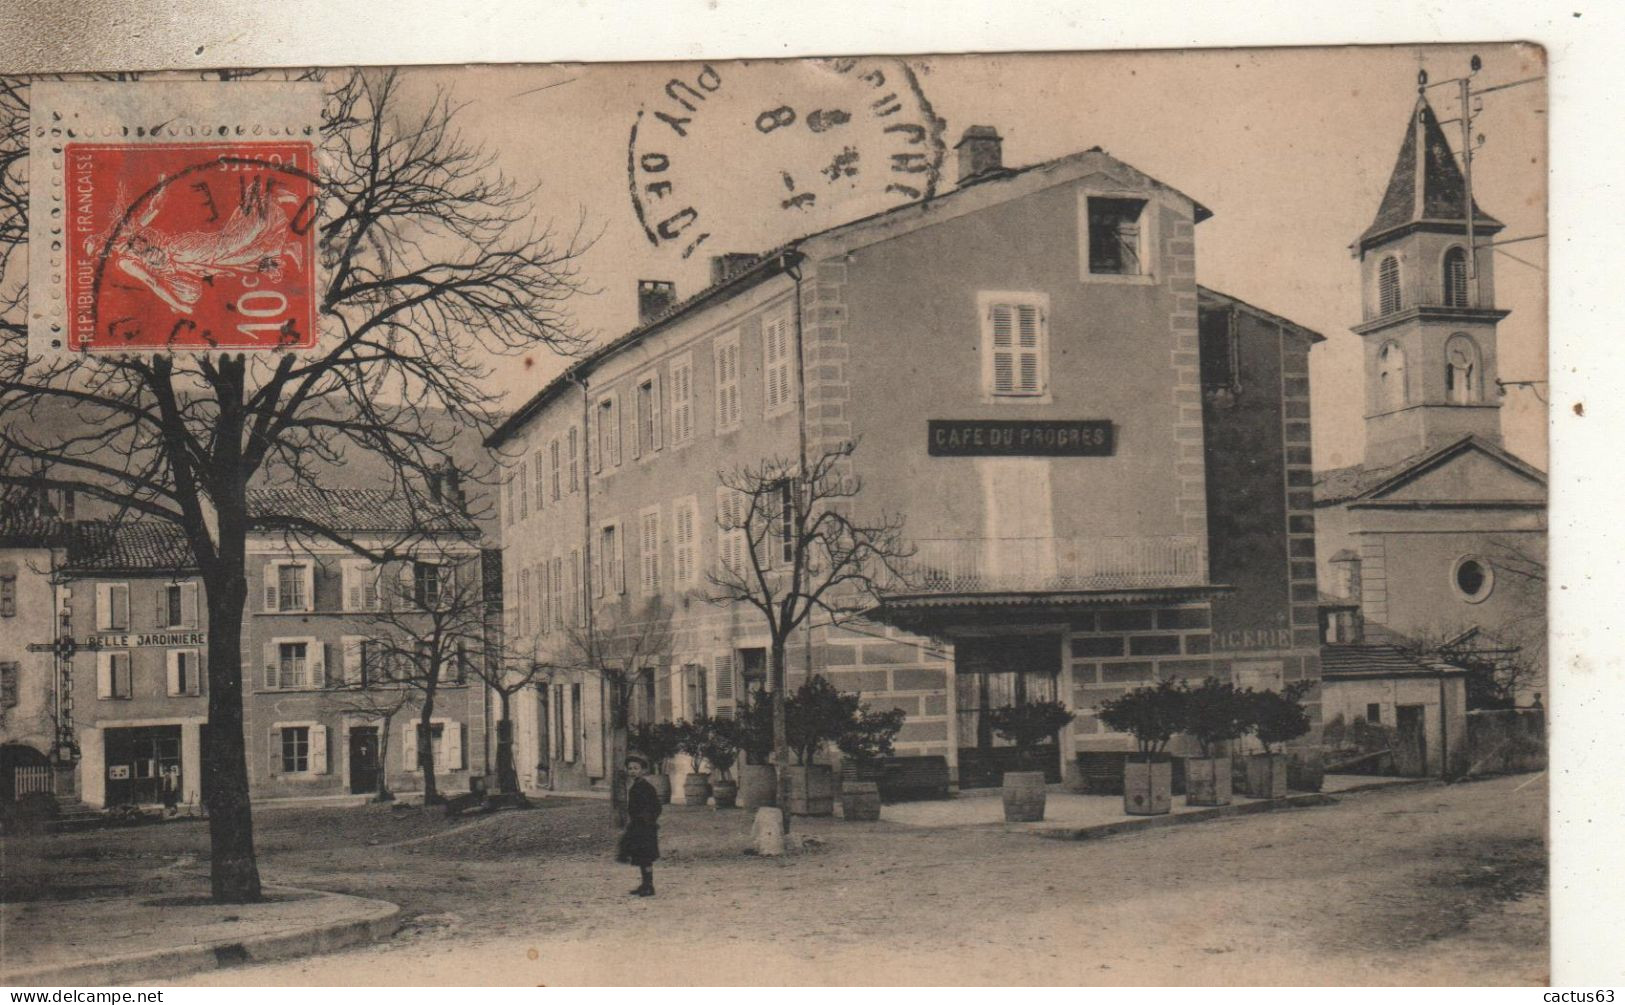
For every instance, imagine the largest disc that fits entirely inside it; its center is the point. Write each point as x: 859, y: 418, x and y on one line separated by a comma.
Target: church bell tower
x: 1429, y: 316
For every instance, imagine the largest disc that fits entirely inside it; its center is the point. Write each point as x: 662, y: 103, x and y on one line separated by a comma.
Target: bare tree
x: 794, y: 551
x: 429, y: 632
x: 434, y: 265
x: 627, y: 647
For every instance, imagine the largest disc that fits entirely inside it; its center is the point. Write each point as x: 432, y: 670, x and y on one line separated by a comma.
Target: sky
x: 1290, y: 148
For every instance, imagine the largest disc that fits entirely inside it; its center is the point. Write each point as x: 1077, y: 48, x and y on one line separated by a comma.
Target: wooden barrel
x: 860, y: 800
x: 725, y: 793
x: 1266, y: 776
x: 696, y: 789
x: 812, y: 790
x: 758, y: 786
x: 1023, y: 796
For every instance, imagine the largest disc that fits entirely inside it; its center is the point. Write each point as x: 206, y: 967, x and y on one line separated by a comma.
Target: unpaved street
x: 1426, y: 884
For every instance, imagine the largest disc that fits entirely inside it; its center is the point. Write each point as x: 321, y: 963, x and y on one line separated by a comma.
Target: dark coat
x: 640, y: 845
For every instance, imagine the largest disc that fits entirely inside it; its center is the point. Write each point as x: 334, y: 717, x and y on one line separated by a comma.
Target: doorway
x: 137, y: 759
x: 1411, y: 757
x: 991, y: 673
x: 364, y: 766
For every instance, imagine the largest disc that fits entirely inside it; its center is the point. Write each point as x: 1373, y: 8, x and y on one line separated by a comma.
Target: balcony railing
x: 1411, y: 294
x: 1039, y: 564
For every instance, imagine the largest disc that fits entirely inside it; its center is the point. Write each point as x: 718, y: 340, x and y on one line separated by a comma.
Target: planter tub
x: 812, y: 790
x: 1148, y: 787
x: 662, y: 783
x: 1207, y: 781
x: 696, y: 789
x: 1266, y: 776
x: 758, y: 786
x: 725, y: 793
x: 1023, y: 796
x: 860, y: 800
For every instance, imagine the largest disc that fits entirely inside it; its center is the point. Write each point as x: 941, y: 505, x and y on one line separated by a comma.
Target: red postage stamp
x: 190, y: 246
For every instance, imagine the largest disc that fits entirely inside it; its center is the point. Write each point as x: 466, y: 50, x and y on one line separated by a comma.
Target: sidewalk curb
x: 1176, y: 819
x: 379, y: 921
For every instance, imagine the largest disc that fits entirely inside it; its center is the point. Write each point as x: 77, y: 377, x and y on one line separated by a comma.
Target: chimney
x: 724, y: 267
x: 655, y: 297
x: 981, y: 153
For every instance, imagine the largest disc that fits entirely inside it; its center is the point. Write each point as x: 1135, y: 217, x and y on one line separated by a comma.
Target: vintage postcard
x: 1009, y: 519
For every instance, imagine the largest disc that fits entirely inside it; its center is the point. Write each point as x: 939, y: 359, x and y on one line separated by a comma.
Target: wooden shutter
x: 318, y: 750
x: 539, y: 473
x: 191, y: 616
x: 649, y: 552
x: 351, y: 646
x: 271, y: 599
x: 615, y: 430
x: 1029, y: 349
x: 592, y: 734
x: 553, y: 464
x: 272, y: 657
x: 172, y: 666
x: 656, y: 415
x: 723, y: 684
x: 273, y: 745
x: 309, y: 576
x: 104, y: 675
x: 524, y: 602
x: 663, y: 696
x: 595, y: 438
x: 122, y: 684
x: 161, y: 617
x: 620, y: 560
x: 641, y: 402
x: 1002, y: 319
x: 451, y: 746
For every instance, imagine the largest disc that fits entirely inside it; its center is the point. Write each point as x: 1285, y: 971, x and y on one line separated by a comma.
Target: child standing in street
x: 640, y: 845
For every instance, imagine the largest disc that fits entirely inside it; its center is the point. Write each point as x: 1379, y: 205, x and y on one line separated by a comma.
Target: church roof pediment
x: 1466, y: 470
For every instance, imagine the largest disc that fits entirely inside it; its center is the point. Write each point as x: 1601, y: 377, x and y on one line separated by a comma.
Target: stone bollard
x: 767, y: 833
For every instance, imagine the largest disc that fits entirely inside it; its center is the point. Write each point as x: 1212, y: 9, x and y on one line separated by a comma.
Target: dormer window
x: 1115, y: 231
x: 1455, y: 278
x: 1388, y: 299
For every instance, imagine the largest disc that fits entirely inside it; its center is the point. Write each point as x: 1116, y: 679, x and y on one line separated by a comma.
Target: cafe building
x: 1103, y: 469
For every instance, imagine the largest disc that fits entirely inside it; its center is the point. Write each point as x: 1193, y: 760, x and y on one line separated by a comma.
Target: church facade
x: 1437, y: 538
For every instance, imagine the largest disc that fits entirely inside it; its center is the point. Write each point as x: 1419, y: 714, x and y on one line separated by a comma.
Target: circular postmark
x: 754, y: 153
x: 216, y: 251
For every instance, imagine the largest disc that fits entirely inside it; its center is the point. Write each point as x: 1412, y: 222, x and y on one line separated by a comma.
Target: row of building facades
x: 1103, y: 469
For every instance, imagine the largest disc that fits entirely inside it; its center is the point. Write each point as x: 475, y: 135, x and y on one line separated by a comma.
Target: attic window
x: 1115, y: 246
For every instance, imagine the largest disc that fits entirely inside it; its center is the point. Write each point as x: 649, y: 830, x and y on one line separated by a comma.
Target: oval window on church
x: 1473, y: 578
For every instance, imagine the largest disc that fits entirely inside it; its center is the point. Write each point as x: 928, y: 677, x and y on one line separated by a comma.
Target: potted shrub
x: 1027, y: 725
x: 815, y: 716
x: 721, y: 750
x: 692, y: 739
x: 1152, y: 715
x: 758, y: 783
x: 1215, y: 713
x: 866, y: 743
x: 1278, y: 717
x: 658, y: 742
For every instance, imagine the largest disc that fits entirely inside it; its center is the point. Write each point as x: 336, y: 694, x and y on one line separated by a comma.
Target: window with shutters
x: 681, y: 391
x: 10, y: 683
x: 431, y: 583
x: 1116, y: 236
x: 8, y: 596
x: 731, y: 537
x: 178, y: 605
x: 294, y: 586
x: 360, y: 581
x: 293, y: 665
x: 646, y: 437
x: 685, y: 519
x: 553, y: 462
x: 295, y: 749
x: 730, y: 413
x: 777, y: 376
x: 575, y: 467
x: 607, y: 451
x: 694, y: 692
x: 609, y: 572
x: 649, y: 551
x: 784, y: 525
x: 538, y: 474
x: 112, y: 606
x: 185, y: 672
x: 1015, y: 345
x: 723, y: 674
x: 113, y: 675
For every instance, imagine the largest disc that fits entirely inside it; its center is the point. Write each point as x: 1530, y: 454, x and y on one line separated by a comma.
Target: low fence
x: 39, y: 778
x: 1506, y: 741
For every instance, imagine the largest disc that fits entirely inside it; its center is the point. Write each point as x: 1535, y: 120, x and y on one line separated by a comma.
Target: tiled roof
x: 30, y: 530
x: 1444, y: 191
x: 1338, y: 485
x: 1378, y: 660
x: 358, y: 510
x: 133, y: 546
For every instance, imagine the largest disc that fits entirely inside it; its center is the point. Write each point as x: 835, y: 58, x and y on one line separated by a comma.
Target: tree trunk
x: 781, y: 736
x: 431, y: 795
x: 234, y: 876
x: 507, y: 772
x: 619, y: 695
x: 384, y: 794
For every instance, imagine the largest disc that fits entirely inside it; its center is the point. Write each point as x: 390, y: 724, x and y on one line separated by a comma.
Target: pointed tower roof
x: 1427, y: 184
